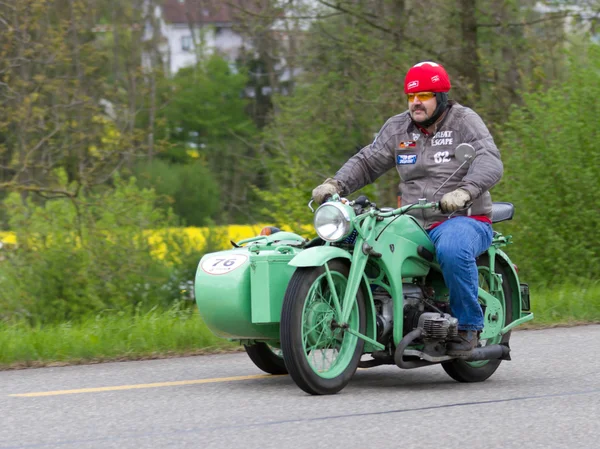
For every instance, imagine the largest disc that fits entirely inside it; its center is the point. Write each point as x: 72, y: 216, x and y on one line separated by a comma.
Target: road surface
x: 548, y: 396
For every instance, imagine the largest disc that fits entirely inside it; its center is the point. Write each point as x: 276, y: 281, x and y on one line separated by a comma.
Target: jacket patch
x: 408, y: 144
x: 442, y: 138
x: 406, y: 159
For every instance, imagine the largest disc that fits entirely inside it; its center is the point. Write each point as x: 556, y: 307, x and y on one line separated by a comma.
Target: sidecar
x: 239, y: 292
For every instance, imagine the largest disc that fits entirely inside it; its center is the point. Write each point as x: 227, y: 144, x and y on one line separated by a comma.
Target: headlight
x: 333, y: 221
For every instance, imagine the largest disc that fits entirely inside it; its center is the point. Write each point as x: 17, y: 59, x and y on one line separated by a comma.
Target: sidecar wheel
x: 320, y: 358
x: 479, y: 371
x: 265, y: 358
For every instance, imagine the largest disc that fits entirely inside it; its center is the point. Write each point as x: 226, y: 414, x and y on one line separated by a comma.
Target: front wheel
x: 463, y: 371
x: 320, y: 356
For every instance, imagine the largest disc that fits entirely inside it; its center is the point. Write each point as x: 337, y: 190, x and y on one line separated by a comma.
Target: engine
x: 437, y: 326
x: 413, y: 308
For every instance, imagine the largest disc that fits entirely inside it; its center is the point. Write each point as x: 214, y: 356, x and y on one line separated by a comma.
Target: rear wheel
x: 478, y: 371
x: 266, y: 358
x: 321, y: 357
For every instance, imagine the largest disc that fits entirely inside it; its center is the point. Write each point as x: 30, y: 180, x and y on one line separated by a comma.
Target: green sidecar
x: 240, y: 291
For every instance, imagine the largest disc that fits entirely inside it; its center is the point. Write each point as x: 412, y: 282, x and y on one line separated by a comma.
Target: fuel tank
x: 398, y: 239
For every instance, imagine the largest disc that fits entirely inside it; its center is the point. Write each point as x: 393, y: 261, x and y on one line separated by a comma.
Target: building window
x: 186, y: 43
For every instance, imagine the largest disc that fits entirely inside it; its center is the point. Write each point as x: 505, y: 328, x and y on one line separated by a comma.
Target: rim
x: 328, y: 350
x: 483, y: 274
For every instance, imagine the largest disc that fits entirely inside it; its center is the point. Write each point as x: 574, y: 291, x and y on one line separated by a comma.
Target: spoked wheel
x: 267, y: 358
x: 478, y: 371
x: 320, y: 356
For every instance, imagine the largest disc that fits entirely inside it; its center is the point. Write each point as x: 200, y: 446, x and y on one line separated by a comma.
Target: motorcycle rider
x: 420, y: 143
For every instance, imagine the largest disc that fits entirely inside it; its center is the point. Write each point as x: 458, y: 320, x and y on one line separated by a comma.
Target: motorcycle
x: 368, y: 285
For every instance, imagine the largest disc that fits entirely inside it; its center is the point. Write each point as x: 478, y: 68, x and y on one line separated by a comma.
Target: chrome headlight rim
x: 346, y: 215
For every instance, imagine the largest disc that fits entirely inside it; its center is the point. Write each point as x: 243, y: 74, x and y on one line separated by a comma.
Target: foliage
x: 551, y: 175
x: 88, y: 254
x: 189, y: 189
x: 57, y: 110
x: 205, y: 103
x: 206, y: 121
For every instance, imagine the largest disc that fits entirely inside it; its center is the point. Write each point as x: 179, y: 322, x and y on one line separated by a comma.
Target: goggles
x: 421, y: 96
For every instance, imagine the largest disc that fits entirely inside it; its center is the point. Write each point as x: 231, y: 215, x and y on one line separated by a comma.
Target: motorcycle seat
x: 502, y: 212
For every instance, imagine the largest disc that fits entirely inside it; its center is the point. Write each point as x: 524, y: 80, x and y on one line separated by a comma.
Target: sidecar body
x: 239, y: 292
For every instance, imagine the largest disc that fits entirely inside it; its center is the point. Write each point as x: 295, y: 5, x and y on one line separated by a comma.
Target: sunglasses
x: 422, y: 96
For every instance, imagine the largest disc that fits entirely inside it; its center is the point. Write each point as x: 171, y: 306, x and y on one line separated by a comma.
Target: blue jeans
x: 458, y: 242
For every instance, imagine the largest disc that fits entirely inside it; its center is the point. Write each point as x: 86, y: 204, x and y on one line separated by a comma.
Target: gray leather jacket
x: 424, y: 162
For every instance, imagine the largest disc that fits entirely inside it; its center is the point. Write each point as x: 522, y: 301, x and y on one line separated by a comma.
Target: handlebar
x: 422, y: 204
x: 404, y: 209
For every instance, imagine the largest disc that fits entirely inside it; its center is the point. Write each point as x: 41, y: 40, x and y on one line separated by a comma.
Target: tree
x: 61, y: 107
x: 206, y: 120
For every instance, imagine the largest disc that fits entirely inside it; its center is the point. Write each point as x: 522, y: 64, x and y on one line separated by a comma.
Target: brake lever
x: 467, y: 207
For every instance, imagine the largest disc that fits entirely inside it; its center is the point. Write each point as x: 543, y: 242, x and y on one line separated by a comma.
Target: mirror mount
x: 464, y: 153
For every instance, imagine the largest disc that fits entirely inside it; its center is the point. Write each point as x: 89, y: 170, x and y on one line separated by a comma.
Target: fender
x: 319, y: 256
x: 514, y: 283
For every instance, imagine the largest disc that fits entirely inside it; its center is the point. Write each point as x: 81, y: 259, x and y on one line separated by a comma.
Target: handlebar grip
x: 362, y: 201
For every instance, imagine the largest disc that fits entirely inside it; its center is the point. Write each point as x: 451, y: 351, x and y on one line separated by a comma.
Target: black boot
x: 463, y: 345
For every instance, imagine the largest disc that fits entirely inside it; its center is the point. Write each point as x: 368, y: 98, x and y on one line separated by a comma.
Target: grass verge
x: 565, y: 305
x: 108, y: 337
x: 176, y: 332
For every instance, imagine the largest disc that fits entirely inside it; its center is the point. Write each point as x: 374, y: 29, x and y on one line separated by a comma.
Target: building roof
x: 200, y: 11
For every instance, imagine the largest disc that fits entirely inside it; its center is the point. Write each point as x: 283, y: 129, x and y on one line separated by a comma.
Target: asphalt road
x: 548, y: 396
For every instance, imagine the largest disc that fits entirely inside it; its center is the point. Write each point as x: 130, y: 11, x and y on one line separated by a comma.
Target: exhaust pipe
x: 492, y: 352
x: 407, y: 340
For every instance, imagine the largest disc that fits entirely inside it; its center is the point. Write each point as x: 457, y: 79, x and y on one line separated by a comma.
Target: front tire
x: 308, y: 339
x: 463, y: 371
x: 264, y: 358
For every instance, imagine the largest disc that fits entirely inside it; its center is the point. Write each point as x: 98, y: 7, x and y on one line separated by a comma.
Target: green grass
x: 181, y: 331
x: 566, y: 304
x: 109, y: 336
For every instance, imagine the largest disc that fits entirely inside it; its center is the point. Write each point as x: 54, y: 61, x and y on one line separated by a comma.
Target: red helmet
x: 426, y: 76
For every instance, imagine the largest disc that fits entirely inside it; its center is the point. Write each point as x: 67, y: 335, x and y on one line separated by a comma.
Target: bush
x: 550, y: 151
x: 80, y: 256
x: 190, y: 189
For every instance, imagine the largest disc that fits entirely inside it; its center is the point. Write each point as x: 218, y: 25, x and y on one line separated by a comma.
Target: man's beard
x: 427, y: 116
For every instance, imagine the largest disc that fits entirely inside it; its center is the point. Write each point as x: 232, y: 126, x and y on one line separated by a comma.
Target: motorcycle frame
x: 363, y: 251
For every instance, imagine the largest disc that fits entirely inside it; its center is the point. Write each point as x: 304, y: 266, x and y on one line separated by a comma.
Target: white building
x: 210, y: 24
x: 206, y: 23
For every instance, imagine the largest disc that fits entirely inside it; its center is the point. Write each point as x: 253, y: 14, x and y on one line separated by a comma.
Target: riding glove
x: 321, y: 193
x: 455, y: 200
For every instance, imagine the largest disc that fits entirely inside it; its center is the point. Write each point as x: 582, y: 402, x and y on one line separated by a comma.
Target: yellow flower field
x: 220, y: 236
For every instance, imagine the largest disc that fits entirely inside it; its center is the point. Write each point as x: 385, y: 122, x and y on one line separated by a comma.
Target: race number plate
x: 223, y: 264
